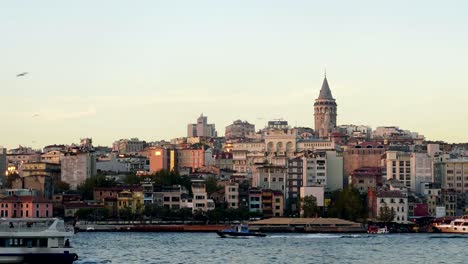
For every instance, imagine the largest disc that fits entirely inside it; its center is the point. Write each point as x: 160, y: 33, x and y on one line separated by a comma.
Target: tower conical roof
x: 325, y: 92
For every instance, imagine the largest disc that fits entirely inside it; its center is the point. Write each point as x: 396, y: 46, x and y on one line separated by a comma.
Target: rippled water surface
x: 276, y: 248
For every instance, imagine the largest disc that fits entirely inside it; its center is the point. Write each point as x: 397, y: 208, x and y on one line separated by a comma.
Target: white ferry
x: 459, y: 226
x: 35, y: 240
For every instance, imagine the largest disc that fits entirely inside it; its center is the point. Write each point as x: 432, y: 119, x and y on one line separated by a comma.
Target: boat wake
x: 450, y: 237
x: 316, y: 236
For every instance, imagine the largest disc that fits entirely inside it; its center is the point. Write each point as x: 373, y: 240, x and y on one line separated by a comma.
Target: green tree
x: 348, y: 204
x: 386, y: 214
x: 86, y: 189
x: 132, y: 179
x: 126, y: 214
x: 60, y: 187
x: 212, y: 185
x: 309, y: 206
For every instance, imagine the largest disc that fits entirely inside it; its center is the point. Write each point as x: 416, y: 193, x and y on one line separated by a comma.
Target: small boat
x: 457, y: 226
x: 35, y: 240
x: 377, y: 230
x: 239, y: 231
x: 89, y: 229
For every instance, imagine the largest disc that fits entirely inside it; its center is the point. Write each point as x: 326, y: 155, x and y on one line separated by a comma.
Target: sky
x: 114, y: 69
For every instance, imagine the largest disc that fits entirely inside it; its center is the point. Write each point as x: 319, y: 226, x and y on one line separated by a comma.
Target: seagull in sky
x: 21, y: 74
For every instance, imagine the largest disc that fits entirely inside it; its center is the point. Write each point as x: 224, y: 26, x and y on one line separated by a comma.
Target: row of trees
x: 161, y: 213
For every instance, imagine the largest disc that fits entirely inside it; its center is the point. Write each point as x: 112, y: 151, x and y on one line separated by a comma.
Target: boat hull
x: 239, y: 234
x: 33, y: 258
x: 451, y: 229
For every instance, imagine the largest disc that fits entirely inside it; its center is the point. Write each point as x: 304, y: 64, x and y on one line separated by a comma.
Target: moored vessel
x: 458, y: 226
x: 35, y: 240
x: 239, y: 231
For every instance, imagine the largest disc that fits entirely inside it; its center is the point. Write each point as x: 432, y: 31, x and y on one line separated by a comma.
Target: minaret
x: 325, y: 111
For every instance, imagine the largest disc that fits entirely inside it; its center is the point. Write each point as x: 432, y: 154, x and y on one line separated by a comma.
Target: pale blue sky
x: 118, y: 69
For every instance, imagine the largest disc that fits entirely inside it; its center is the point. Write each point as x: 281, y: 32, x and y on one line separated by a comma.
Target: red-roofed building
x: 25, y: 207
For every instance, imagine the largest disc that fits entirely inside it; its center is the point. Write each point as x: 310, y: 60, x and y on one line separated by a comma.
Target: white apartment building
x: 422, y: 170
x: 396, y: 201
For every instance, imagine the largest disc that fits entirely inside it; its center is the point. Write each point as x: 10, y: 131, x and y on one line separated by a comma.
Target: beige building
x: 77, y: 166
x: 231, y: 195
x: 52, y: 156
x: 399, y: 167
x: 270, y: 177
x: 453, y: 174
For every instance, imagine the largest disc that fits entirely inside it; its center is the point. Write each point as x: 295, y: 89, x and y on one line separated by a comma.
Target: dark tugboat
x: 240, y: 231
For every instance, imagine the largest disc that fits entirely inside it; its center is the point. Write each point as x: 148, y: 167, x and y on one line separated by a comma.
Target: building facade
x: 77, y: 167
x: 201, y: 128
x: 25, y: 207
x: 239, y: 129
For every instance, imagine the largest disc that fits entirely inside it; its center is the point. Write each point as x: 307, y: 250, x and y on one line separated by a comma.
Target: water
x: 128, y: 248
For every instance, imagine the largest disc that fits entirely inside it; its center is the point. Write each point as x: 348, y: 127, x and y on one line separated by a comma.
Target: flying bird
x: 21, y: 74
x: 35, y: 115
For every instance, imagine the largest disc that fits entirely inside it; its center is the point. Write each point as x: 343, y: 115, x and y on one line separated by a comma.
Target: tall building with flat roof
x: 201, y: 128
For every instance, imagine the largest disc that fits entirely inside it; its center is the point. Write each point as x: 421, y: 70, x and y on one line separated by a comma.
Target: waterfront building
x: 148, y: 191
x: 201, y: 128
x: 433, y: 196
x: 101, y: 193
x: 25, y: 207
x: 325, y: 111
x: 255, y: 200
x: 396, y: 201
x: 272, y: 203
x: 171, y: 197
x: 366, y: 177
x: 449, y: 200
x: 231, y: 194
x: 239, y: 129
x: 130, y: 198
x: 200, y: 199
x: 77, y: 166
